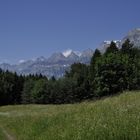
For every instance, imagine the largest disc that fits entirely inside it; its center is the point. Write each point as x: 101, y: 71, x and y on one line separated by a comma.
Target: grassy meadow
x: 112, y: 118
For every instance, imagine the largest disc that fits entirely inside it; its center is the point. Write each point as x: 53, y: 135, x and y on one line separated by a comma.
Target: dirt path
x: 7, y: 135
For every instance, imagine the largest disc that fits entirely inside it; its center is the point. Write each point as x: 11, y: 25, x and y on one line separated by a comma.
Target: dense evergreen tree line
x: 114, y: 71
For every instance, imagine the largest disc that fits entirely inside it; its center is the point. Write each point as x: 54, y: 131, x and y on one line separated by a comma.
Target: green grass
x: 2, y: 137
x: 113, y: 118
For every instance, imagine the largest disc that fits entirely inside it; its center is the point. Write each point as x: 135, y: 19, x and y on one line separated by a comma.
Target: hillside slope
x: 110, y: 118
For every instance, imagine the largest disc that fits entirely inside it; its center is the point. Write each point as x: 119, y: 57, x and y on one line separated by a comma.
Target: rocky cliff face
x: 133, y: 36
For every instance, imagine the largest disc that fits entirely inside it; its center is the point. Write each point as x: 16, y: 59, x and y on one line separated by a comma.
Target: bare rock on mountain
x: 133, y: 36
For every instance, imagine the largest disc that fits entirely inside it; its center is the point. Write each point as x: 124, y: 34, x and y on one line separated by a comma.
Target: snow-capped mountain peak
x: 67, y: 52
x: 78, y: 53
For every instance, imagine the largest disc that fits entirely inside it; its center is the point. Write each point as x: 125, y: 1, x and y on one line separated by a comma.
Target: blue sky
x: 33, y: 28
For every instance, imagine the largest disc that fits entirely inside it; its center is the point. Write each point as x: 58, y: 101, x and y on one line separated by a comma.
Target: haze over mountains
x: 58, y: 63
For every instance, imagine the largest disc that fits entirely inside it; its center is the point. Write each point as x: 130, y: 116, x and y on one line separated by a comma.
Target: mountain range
x: 58, y: 63
x: 55, y: 65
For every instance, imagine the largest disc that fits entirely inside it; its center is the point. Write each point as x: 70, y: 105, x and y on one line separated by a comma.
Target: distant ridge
x: 55, y: 65
x: 58, y: 63
x: 133, y: 36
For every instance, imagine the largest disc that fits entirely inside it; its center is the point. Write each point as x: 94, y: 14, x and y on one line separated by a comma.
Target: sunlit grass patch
x: 114, y: 118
